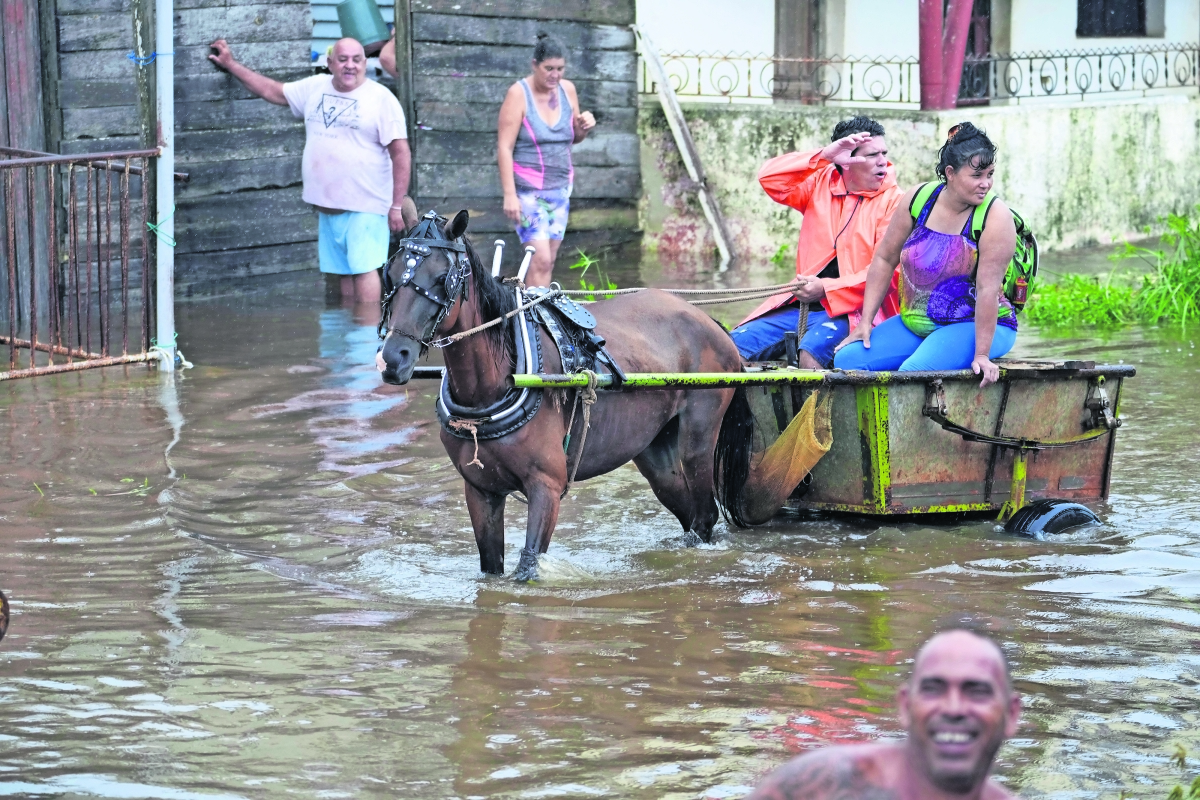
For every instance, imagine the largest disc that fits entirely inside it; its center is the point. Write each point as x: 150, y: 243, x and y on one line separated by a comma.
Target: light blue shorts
x: 352, y: 242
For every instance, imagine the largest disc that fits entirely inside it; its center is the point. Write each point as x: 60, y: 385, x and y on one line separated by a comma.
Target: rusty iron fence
x: 75, y: 288
x: 991, y: 78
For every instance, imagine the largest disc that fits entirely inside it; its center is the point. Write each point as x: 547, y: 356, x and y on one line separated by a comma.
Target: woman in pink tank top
x: 539, y: 122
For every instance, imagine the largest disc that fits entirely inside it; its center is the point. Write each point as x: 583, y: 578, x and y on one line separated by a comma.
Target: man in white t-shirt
x: 356, y: 160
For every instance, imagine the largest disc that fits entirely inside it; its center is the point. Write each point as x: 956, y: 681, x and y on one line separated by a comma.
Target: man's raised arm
x: 268, y: 89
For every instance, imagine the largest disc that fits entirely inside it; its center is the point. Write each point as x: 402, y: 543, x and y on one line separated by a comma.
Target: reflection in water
x: 291, y: 604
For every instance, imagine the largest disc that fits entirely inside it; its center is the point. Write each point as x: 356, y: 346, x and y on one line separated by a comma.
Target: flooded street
x: 258, y: 579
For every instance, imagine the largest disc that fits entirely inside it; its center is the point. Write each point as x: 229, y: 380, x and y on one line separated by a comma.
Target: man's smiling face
x: 348, y: 63
x: 958, y: 708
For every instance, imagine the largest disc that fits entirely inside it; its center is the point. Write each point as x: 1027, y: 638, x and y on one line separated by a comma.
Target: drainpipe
x: 954, y: 49
x: 930, y: 54
x: 164, y: 72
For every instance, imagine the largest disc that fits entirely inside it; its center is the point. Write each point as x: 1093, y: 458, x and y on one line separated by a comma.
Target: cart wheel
x: 1050, y: 516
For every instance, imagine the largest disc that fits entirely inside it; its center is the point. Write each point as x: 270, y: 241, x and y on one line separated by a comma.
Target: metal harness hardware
x: 414, y: 249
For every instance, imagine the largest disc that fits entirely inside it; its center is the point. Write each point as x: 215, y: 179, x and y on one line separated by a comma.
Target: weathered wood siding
x: 240, y: 215
x: 466, y: 55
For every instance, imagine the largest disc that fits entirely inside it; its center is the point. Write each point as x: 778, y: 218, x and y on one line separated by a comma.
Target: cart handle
x: 1102, y: 420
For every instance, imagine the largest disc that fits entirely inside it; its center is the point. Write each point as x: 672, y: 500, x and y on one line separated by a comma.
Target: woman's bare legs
x: 541, y: 266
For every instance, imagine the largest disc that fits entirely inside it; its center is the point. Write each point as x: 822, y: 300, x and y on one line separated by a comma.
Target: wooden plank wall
x: 240, y: 215
x: 465, y: 57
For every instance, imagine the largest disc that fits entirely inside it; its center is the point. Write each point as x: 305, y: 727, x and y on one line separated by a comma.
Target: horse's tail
x: 731, y: 462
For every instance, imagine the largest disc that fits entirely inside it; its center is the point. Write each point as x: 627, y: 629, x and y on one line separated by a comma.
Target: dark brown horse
x: 671, y: 435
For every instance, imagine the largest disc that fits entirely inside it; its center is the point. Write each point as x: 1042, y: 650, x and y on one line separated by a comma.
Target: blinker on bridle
x: 427, y: 236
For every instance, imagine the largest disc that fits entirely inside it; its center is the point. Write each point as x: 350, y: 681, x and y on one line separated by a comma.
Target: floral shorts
x: 543, y: 214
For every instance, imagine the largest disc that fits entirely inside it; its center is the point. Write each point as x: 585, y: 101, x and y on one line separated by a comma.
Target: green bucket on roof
x: 361, y: 20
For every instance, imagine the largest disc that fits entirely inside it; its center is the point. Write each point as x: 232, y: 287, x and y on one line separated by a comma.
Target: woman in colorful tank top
x: 953, y: 314
x: 538, y: 125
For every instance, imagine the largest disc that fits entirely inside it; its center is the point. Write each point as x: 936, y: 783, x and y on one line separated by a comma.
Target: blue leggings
x: 895, y: 347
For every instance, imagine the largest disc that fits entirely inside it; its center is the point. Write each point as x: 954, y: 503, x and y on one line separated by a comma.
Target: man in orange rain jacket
x: 847, y: 193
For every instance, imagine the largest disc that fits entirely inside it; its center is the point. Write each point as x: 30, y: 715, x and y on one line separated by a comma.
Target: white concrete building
x: 883, y: 28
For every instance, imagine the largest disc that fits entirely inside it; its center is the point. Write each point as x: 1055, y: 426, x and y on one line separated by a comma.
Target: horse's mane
x: 495, y: 300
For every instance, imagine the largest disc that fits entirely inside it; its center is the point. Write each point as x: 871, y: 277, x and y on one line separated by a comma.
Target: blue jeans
x: 761, y: 339
x: 895, y: 347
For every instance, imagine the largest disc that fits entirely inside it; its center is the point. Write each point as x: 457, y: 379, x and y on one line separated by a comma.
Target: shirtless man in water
x: 958, y: 708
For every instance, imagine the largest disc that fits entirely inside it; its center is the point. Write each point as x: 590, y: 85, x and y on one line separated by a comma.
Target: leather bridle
x: 427, y: 236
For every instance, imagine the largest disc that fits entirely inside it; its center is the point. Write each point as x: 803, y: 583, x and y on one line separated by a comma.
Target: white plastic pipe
x: 529, y: 251
x: 497, y: 258
x: 164, y: 72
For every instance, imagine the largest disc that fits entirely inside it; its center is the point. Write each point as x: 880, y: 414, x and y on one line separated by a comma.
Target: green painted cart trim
x: 848, y: 508
x: 873, y: 431
x: 758, y: 376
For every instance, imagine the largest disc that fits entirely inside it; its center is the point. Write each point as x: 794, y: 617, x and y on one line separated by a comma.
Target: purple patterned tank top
x: 937, y: 278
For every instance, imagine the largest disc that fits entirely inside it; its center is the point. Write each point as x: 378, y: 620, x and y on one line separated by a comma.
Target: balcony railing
x: 998, y: 78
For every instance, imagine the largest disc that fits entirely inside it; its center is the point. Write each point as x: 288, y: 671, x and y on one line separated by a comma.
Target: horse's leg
x: 679, y: 463
x: 544, y: 493
x: 487, y: 517
x: 660, y: 465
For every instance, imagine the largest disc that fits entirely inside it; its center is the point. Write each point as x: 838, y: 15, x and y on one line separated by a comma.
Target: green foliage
x: 584, y: 263
x: 1179, y: 759
x: 781, y: 257
x: 1081, y: 300
x: 1170, y: 292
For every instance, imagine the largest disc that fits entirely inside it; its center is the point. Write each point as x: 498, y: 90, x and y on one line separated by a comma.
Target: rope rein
x: 742, y: 294
x: 586, y: 394
x: 613, y: 292
x: 446, y: 341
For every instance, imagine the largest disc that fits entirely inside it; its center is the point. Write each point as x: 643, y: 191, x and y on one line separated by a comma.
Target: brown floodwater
x: 257, y: 579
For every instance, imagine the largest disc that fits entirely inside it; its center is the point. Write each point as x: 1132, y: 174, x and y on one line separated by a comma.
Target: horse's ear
x: 408, y: 212
x: 458, y: 226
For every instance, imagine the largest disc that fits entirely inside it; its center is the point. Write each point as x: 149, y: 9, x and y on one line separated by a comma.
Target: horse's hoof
x: 692, y: 539
x: 527, y: 568
x: 3, y: 615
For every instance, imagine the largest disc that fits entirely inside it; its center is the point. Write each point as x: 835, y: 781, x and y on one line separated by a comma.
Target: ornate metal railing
x: 759, y: 78
x: 1002, y: 77
x: 1081, y: 73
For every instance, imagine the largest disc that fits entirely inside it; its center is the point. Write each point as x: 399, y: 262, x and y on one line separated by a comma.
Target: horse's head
x: 424, y: 287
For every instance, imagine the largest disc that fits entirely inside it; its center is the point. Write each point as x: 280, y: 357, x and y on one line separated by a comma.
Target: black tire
x: 1050, y: 516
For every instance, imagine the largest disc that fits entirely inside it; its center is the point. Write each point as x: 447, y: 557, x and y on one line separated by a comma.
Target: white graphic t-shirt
x: 346, y: 164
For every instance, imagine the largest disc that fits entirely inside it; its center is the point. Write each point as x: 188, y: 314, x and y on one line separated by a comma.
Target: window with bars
x: 1111, y: 18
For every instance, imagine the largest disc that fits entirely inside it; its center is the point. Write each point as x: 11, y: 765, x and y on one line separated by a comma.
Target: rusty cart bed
x: 934, y: 442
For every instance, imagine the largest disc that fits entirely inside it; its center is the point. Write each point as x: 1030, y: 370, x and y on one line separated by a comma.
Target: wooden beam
x: 687, y: 149
x: 51, y: 116
x: 404, y: 81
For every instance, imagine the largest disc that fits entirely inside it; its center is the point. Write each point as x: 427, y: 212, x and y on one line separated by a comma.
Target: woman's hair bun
x: 547, y: 47
x: 965, y: 144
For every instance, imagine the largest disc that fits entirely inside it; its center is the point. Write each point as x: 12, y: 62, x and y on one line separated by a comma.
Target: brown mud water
x: 259, y: 580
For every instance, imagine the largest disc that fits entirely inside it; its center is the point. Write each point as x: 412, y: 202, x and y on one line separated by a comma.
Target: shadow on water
x: 290, y: 602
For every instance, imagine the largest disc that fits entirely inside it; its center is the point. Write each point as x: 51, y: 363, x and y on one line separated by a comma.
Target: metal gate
x: 75, y: 288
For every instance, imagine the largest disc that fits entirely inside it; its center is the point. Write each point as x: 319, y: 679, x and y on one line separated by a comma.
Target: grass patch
x: 585, y: 263
x: 1170, y: 292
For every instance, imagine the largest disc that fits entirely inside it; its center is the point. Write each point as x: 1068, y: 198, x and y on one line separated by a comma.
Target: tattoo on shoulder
x: 821, y: 778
